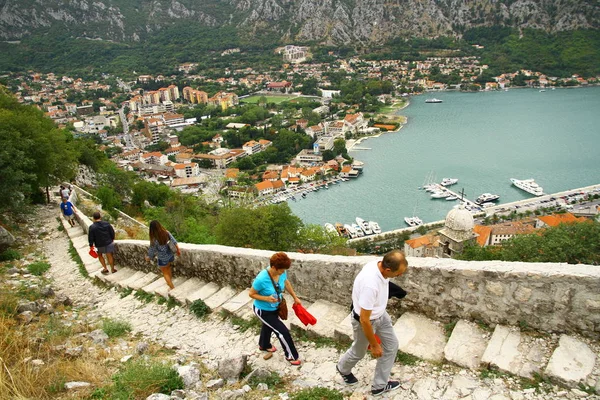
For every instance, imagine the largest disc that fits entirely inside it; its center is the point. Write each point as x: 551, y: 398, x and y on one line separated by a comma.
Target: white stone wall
x: 544, y: 296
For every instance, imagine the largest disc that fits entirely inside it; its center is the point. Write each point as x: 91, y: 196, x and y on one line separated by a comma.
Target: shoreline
x: 350, y: 144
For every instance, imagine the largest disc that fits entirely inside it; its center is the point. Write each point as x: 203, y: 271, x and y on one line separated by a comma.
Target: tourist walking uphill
x: 370, y: 294
x: 102, y: 235
x: 67, y: 209
x: 164, y: 246
x: 267, y: 292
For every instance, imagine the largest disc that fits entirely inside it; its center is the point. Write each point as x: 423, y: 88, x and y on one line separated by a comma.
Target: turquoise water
x: 483, y: 139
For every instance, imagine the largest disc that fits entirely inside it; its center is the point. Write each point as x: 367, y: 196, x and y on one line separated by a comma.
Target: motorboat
x: 529, y: 186
x: 340, y: 229
x: 351, y: 232
x: 358, y: 165
x: 433, y: 100
x: 364, y: 225
x: 358, y: 229
x: 330, y: 228
x: 449, y: 181
x: 440, y: 194
x: 374, y: 227
x: 487, y: 197
x: 451, y: 198
x: 413, y: 221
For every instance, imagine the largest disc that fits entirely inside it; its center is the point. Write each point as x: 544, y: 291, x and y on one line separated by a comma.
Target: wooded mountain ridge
x: 360, y: 22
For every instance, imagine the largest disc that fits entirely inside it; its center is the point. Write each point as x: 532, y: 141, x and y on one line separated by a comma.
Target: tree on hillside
x: 34, y: 154
x: 272, y: 227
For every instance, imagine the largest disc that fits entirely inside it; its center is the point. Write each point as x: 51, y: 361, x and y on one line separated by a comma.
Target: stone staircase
x: 568, y: 360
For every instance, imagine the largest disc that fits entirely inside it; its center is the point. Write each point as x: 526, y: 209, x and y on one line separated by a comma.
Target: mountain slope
x: 328, y: 21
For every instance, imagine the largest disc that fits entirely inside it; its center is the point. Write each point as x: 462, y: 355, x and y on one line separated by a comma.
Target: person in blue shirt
x: 67, y: 209
x: 267, y: 291
x: 159, y: 246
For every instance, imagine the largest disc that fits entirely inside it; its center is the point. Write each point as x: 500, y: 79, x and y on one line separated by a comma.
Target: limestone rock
x: 141, y: 347
x: 6, y: 239
x: 158, y: 396
x: 509, y: 352
x: 47, y: 291
x: 74, y: 351
x: 232, y: 394
x: 420, y: 337
x: 233, y: 367
x: 62, y: 300
x: 76, y: 385
x: 180, y: 394
x: 424, y: 388
x: 98, y: 336
x: 26, y: 317
x: 215, y: 384
x: 31, y: 306
x: 126, y: 358
x: 571, y: 362
x: 190, y: 374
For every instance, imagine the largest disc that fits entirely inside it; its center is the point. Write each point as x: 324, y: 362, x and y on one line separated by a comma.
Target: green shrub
x: 317, y: 393
x: 406, y: 359
x: 200, y: 309
x: 9, y: 255
x: 125, y: 292
x: 273, y: 380
x: 143, y: 296
x: 138, y: 380
x: 38, y: 268
x: 114, y: 328
x: 75, y: 257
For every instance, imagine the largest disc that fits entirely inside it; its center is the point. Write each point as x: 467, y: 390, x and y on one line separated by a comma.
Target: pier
x: 505, y: 208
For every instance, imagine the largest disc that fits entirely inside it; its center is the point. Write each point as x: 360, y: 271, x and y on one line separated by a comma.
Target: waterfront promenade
x: 520, y: 206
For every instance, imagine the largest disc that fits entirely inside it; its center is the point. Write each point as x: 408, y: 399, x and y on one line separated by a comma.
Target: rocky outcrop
x: 334, y: 21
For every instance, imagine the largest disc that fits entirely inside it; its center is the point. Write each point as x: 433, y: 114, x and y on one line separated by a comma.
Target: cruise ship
x: 529, y: 186
x: 486, y: 197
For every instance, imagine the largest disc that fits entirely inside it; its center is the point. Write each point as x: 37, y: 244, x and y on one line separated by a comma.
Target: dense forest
x: 504, y: 50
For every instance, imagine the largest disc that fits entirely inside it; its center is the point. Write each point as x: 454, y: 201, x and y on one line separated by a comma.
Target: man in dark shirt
x: 102, y: 235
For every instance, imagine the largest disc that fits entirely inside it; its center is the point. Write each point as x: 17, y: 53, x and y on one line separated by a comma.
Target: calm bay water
x: 483, y: 139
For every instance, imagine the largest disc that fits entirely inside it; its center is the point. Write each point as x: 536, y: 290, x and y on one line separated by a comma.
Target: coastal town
x: 251, y: 136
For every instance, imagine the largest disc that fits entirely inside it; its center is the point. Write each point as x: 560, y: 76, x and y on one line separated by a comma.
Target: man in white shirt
x: 369, y: 299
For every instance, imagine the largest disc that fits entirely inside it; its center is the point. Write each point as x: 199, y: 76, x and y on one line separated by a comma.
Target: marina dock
x: 505, y: 208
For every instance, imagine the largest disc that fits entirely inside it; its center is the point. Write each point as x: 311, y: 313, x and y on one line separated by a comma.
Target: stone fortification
x: 543, y: 296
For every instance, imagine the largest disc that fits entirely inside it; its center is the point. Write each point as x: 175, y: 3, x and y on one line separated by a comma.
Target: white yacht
x: 486, y: 197
x: 351, y: 232
x: 433, y: 100
x: 358, y: 229
x: 413, y: 221
x: 529, y: 186
x: 330, y: 228
x: 449, y: 181
x: 451, y: 198
x: 440, y: 194
x: 374, y: 227
x: 364, y: 225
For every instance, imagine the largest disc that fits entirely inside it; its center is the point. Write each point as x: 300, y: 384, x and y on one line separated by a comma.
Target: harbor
x: 560, y: 199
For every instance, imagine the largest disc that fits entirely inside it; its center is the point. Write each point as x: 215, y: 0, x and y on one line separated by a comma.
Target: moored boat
x: 449, y: 181
x: 330, y: 228
x: 529, y: 186
x: 486, y: 197
x: 340, y: 229
x: 351, y: 232
x: 358, y: 229
x: 375, y: 227
x: 413, y: 221
x: 364, y: 226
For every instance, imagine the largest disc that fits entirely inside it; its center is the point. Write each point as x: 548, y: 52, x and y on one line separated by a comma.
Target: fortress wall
x: 543, y: 296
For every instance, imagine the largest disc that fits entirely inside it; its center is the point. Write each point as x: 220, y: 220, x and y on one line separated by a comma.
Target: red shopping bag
x: 304, y: 316
x: 93, y: 252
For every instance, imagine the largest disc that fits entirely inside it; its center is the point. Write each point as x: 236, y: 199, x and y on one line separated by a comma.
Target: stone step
x: 125, y: 282
x: 203, y: 293
x: 152, y: 286
x: 421, y: 337
x: 571, y: 363
x: 163, y: 290
x: 328, y: 316
x: 181, y: 292
x: 508, y: 351
x: 343, y: 330
x: 121, y: 274
x: 143, y: 281
x: 466, y: 345
x: 234, y: 304
x: 80, y: 242
x: 220, y: 297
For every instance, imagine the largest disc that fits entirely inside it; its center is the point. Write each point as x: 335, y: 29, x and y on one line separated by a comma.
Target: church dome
x: 459, y: 220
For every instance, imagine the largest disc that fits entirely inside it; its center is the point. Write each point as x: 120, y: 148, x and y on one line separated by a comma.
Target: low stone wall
x: 544, y: 296
x: 547, y: 297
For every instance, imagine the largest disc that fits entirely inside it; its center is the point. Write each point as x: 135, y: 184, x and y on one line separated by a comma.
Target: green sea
x: 483, y: 139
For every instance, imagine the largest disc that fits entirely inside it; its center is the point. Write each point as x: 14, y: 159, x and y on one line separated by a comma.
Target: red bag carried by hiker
x: 93, y: 252
x: 304, y: 316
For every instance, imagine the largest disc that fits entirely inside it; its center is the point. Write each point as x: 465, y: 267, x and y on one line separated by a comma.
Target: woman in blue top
x: 267, y: 290
x: 159, y: 246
